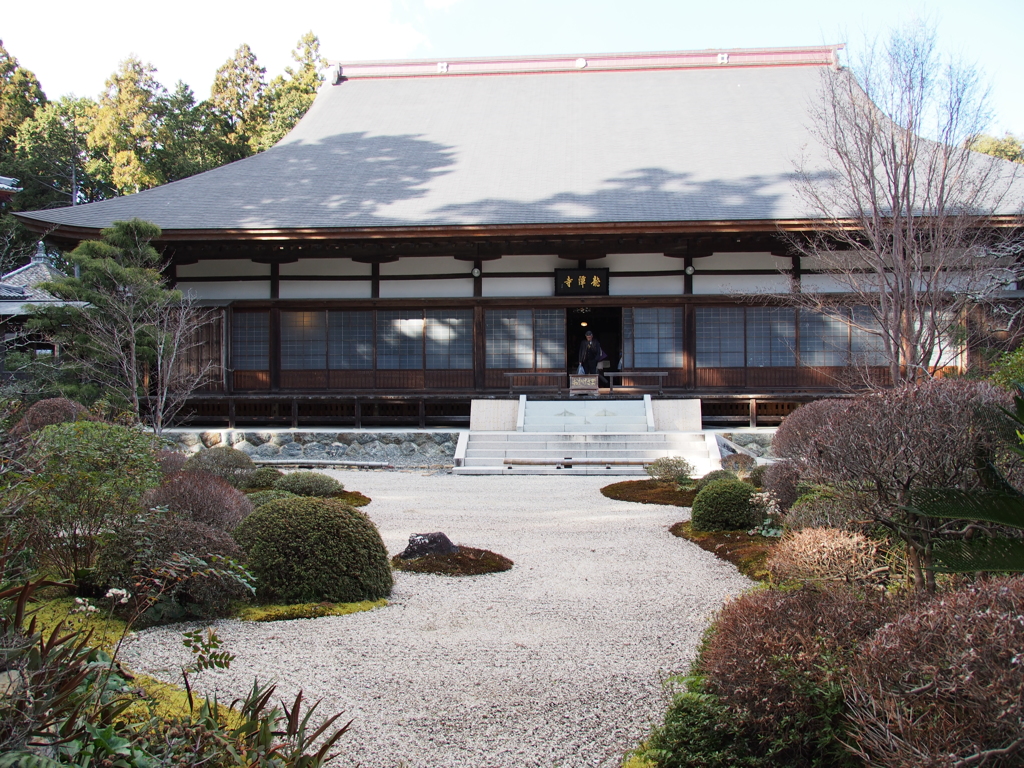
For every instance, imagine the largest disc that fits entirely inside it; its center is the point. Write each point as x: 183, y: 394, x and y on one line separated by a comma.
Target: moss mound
x: 466, y: 562
x: 305, y: 610
x: 650, y: 492
x: 309, y: 550
x: 224, y: 462
x: 353, y: 498
x: 748, y: 553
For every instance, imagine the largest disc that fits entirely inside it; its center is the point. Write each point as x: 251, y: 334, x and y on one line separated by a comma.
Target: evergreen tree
x: 1009, y: 147
x: 53, y: 155
x: 290, y: 96
x: 238, y: 103
x: 126, y: 133
x: 189, y: 142
x: 20, y: 94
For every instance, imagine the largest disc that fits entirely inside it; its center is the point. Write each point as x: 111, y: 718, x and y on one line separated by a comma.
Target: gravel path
x: 558, y: 662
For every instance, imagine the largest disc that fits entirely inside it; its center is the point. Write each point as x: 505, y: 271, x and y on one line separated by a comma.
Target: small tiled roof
x: 678, y: 137
x: 18, y: 288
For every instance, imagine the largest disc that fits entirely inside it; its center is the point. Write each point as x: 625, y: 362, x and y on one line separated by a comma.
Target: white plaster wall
x: 493, y: 415
x: 726, y: 285
x: 523, y: 286
x: 677, y: 415
x: 223, y: 268
x: 657, y: 285
x: 426, y: 265
x: 427, y: 289
x: 822, y: 284
x: 741, y: 261
x: 326, y: 267
x: 325, y: 289
x: 633, y: 262
x: 247, y: 289
x: 527, y: 264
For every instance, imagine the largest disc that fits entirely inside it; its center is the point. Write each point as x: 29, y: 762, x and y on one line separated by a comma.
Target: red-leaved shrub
x: 794, y: 434
x: 781, y: 478
x: 943, y: 685
x: 203, y: 498
x: 55, y: 410
x: 827, y: 555
x: 170, y: 461
x: 777, y: 658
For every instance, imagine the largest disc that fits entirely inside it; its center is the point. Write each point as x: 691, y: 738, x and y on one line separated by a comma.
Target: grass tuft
x: 304, y: 610
x: 466, y: 562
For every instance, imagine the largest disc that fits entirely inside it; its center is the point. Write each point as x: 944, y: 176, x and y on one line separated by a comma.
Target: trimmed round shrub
x: 756, y: 476
x: 670, y: 469
x: 723, y: 505
x: 738, y: 462
x: 309, y: 484
x: 943, y: 682
x: 710, y: 477
x: 781, y: 478
x: 224, y: 462
x: 311, y: 549
x: 259, y: 498
x: 263, y: 479
x: 54, y: 410
x: 202, y: 498
x: 171, y: 461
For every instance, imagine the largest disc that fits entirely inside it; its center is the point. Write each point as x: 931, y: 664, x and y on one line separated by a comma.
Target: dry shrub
x: 203, y: 498
x: 55, y: 410
x: 170, y: 461
x: 827, y: 555
x: 781, y: 478
x: 776, y: 659
x: 794, y: 434
x: 943, y: 685
x: 738, y: 462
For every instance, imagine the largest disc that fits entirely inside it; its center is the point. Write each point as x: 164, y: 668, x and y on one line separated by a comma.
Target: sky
x: 73, y: 47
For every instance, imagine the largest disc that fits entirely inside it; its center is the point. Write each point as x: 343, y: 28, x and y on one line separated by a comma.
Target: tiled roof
x: 18, y: 288
x: 571, y: 141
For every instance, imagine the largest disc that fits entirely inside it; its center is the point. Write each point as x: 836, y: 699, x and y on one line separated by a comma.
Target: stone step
x: 581, y: 427
x: 644, y: 437
x: 570, y: 448
x: 526, y: 470
x: 560, y: 455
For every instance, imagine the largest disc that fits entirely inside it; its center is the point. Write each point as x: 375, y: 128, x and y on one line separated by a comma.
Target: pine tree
x: 20, y: 94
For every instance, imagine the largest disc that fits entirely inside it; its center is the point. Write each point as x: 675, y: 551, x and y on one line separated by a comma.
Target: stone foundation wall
x: 397, y: 448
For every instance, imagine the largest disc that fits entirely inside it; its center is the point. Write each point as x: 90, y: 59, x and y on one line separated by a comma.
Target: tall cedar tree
x: 290, y: 96
x: 237, y: 103
x: 127, y: 129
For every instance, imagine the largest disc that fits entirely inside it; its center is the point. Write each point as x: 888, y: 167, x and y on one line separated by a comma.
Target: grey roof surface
x: 18, y: 288
x: 577, y: 147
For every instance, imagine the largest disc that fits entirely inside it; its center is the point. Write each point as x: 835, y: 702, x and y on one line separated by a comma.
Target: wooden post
x: 358, y: 414
x: 423, y: 413
x: 231, y: 413
x: 295, y: 414
x: 753, y: 412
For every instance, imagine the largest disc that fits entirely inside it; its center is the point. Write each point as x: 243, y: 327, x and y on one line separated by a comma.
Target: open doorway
x: 605, y: 322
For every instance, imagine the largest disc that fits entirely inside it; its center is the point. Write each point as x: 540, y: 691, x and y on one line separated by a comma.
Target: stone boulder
x: 421, y: 544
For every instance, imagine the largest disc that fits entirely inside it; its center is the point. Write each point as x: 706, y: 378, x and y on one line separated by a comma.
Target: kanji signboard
x: 581, y: 282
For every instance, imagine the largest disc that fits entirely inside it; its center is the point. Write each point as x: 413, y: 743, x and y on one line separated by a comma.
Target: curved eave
x: 67, y: 232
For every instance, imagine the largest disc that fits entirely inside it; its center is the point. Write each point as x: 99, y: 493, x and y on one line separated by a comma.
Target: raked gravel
x: 559, y: 662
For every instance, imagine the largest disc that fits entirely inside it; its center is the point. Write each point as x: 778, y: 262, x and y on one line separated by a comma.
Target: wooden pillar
x: 358, y: 410
x: 275, y: 280
x: 275, y: 350
x: 478, y: 280
x: 753, y: 412
x: 423, y: 413
x: 479, y: 348
x: 231, y: 413
x: 375, y: 280
x: 295, y: 414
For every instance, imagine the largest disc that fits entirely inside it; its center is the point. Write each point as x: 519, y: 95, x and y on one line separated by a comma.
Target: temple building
x: 434, y: 232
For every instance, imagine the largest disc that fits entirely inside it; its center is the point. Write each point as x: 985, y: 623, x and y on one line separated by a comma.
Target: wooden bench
x: 561, y: 380
x: 620, y: 375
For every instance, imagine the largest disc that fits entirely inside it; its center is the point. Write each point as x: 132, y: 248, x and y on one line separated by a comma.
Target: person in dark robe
x: 590, y: 353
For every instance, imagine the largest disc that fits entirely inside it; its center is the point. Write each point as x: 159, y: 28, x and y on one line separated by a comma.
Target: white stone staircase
x: 589, y: 437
